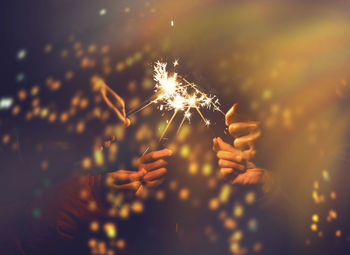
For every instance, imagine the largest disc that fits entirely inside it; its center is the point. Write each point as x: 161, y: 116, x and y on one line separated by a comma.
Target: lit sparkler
x: 174, y: 93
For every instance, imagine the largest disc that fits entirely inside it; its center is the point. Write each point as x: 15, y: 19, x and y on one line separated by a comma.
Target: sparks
x: 174, y: 93
x: 166, y: 85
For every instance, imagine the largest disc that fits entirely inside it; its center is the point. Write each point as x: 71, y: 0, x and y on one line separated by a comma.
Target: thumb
x: 224, y: 146
x: 230, y: 115
x: 216, y: 147
x: 127, y: 122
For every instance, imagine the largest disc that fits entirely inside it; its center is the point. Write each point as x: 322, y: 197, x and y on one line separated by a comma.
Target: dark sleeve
x: 55, y: 221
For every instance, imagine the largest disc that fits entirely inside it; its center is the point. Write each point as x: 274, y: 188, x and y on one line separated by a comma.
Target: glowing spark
x: 207, y: 100
x: 178, y: 102
x: 172, y: 23
x: 174, y: 93
x: 166, y: 85
x: 187, y: 114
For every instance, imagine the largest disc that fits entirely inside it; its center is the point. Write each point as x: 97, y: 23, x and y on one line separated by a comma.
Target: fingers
x: 236, y: 129
x: 229, y: 155
x: 225, y: 171
x: 251, y: 176
x: 155, y: 174
x: 139, y: 190
x: 224, y: 146
x: 228, y: 152
x: 120, y: 110
x: 230, y: 115
x: 154, y: 165
x: 155, y: 155
x: 245, y: 133
x: 249, y: 154
x: 125, y: 175
x: 131, y: 180
x: 247, y: 140
x: 155, y: 183
x: 129, y: 186
x: 230, y: 164
x: 216, y: 147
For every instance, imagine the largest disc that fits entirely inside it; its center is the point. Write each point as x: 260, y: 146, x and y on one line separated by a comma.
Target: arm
x: 65, y: 210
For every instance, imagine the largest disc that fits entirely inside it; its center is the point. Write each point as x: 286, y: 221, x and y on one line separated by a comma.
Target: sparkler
x: 175, y: 93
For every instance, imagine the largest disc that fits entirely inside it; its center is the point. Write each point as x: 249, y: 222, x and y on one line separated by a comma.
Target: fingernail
x: 239, y: 158
x: 127, y: 122
x: 170, y: 152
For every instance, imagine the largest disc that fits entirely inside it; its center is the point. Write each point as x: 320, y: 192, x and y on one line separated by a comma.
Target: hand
x: 125, y: 179
x: 233, y: 163
x: 154, y: 165
x: 236, y: 160
x: 150, y: 173
x: 118, y: 107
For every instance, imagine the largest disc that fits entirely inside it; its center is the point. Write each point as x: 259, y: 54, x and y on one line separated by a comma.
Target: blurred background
x: 285, y: 63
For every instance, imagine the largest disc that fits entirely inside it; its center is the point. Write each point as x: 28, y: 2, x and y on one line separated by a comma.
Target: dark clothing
x: 54, y: 223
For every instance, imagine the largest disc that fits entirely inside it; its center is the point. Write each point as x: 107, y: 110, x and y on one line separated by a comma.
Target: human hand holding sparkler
x: 152, y: 168
x: 235, y: 160
x: 154, y: 165
x: 125, y: 179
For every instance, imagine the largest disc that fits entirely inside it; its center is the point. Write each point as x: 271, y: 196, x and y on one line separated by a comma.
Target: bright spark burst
x: 174, y: 93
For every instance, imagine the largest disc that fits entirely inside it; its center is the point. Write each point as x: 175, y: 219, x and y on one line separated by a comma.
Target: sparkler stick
x: 167, y: 126
x: 201, y: 114
x: 183, y: 119
x: 180, y: 126
x: 141, y: 107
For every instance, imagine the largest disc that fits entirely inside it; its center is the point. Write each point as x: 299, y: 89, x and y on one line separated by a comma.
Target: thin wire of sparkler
x: 204, y: 95
x: 183, y: 119
x: 200, y: 113
x: 167, y: 126
x: 132, y: 112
